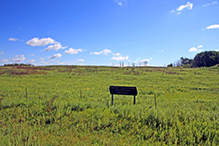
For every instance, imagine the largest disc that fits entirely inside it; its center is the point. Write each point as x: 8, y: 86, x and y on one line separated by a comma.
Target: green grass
x: 70, y: 105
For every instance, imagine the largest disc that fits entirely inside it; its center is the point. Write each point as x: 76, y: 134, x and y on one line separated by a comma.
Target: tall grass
x: 186, y: 111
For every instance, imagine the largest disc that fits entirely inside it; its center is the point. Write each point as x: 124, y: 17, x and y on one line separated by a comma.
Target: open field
x: 67, y: 105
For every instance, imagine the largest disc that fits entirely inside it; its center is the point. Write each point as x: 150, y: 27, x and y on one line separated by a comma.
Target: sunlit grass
x: 69, y: 105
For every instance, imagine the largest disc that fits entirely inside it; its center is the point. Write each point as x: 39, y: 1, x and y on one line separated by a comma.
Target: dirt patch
x: 23, y: 70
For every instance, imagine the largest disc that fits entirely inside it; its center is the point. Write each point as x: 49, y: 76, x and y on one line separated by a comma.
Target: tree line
x: 203, y: 59
x: 16, y: 64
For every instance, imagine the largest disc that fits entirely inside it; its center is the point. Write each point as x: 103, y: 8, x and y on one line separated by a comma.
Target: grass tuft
x: 50, y: 103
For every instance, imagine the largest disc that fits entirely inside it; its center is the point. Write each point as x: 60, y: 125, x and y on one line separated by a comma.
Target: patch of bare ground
x: 24, y: 70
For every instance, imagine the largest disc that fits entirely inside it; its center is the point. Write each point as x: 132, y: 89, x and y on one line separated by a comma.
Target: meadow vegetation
x: 70, y: 105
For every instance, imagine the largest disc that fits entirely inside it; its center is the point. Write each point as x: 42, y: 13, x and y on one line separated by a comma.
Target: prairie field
x: 71, y: 105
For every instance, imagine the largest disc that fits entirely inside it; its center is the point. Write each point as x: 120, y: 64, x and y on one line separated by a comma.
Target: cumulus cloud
x: 105, y: 52
x: 30, y: 61
x: 217, y: 50
x: 13, y: 39
x: 208, y: 4
x: 56, y: 56
x: 40, y: 42
x: 2, y: 53
x: 55, y: 47
x: 120, y: 58
x: 194, y: 49
x: 73, y: 51
x: 18, y: 59
x: 4, y: 60
x: 80, y: 60
x: 188, y: 6
x: 213, y: 26
x: 32, y: 55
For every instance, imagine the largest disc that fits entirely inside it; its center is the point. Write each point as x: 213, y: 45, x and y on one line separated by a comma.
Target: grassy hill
x: 67, y: 105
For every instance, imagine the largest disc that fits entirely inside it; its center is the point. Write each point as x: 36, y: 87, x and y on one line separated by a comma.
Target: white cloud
x: 4, y: 60
x: 44, y: 62
x: 55, y: 47
x: 56, y: 56
x: 120, y: 58
x: 145, y: 60
x: 41, y: 59
x: 172, y: 11
x: 193, y: 49
x: 40, y: 42
x: 32, y: 55
x: 200, y: 46
x: 73, y: 51
x: 188, y: 6
x: 117, y: 54
x: 217, y: 50
x: 119, y: 2
x: 30, y: 61
x: 2, y: 53
x: 18, y: 59
x: 80, y: 60
x: 213, y: 26
x: 208, y: 4
x: 141, y: 62
x: 105, y: 52
x: 13, y: 39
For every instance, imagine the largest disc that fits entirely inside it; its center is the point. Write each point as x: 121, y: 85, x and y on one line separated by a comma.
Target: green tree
x: 206, y: 59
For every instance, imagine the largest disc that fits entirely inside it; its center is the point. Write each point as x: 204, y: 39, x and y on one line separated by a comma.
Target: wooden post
x: 80, y: 93
x: 134, y: 99
x: 112, y: 100
x: 26, y: 93
x: 155, y: 102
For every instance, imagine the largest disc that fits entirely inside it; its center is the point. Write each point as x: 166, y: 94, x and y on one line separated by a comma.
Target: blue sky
x: 106, y: 32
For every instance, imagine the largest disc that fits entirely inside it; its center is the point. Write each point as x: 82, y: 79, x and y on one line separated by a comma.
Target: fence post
x: 155, y: 101
x: 26, y: 93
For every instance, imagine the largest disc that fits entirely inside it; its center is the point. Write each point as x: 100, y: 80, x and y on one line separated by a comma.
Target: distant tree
x: 186, y: 61
x: 206, y: 59
x: 170, y: 65
x: 133, y: 64
x: 145, y: 63
x: 16, y: 64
